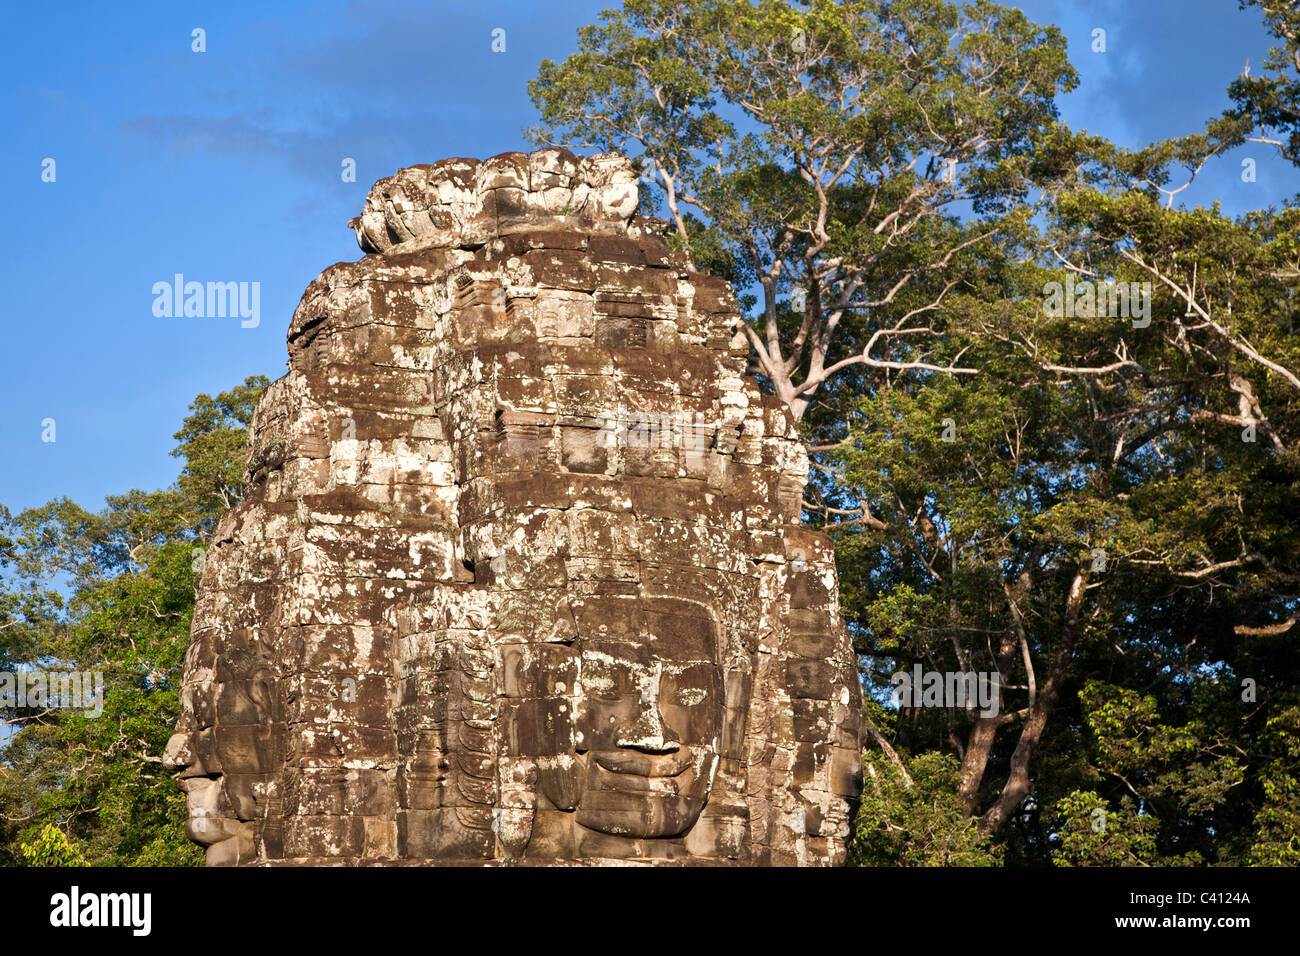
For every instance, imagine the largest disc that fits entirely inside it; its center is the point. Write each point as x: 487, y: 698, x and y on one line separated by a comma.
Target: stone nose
x: 648, y: 732
x: 178, y: 755
x: 191, y: 755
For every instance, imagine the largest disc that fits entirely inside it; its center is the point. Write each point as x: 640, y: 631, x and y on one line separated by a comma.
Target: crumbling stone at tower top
x: 465, y: 202
x: 519, y: 575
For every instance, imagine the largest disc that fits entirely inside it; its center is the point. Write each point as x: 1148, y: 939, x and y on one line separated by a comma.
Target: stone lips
x: 452, y: 622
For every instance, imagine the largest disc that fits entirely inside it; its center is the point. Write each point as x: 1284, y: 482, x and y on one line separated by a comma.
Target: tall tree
x: 1111, y: 525
x: 1267, y: 105
x: 819, y: 154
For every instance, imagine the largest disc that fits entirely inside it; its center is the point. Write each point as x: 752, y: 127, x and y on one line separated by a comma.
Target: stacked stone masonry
x: 519, y: 574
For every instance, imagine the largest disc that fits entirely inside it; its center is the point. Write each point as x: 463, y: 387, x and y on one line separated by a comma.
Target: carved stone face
x: 226, y: 744
x: 633, y: 744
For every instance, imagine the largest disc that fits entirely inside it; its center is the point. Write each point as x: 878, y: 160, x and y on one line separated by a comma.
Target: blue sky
x: 225, y: 166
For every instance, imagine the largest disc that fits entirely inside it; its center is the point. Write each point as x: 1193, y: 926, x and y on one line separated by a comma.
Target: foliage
x: 922, y: 824
x: 818, y: 154
x: 52, y: 848
x: 1093, y: 833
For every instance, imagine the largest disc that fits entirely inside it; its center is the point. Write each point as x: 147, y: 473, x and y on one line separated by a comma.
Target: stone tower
x: 519, y: 574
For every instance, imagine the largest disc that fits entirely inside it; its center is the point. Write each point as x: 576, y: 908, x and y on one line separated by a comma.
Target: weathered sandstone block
x: 519, y: 574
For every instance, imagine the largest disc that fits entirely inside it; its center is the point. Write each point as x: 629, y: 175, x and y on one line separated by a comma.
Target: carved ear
x: 559, y: 779
x: 261, y: 691
x: 735, y: 720
x: 738, y: 685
